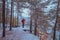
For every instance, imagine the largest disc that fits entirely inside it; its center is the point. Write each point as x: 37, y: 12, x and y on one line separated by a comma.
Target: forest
x: 42, y: 17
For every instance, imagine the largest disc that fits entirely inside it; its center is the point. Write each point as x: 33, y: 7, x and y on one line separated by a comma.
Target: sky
x: 26, y: 12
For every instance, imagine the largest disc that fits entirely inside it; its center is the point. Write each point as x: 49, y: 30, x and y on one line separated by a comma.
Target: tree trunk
x: 17, y: 19
x: 7, y: 13
x: 30, y: 24
x: 36, y: 19
x: 11, y: 15
x: 17, y: 13
x: 35, y: 26
x: 54, y: 35
x: 3, y: 17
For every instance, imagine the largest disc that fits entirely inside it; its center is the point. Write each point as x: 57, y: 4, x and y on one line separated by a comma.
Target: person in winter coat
x: 23, y: 22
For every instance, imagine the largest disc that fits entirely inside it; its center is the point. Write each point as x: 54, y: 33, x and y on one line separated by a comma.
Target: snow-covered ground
x: 18, y: 34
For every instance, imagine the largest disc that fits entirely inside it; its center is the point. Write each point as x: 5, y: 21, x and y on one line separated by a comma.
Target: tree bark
x: 3, y: 17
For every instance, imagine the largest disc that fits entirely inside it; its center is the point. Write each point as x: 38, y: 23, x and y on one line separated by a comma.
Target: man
x: 23, y: 22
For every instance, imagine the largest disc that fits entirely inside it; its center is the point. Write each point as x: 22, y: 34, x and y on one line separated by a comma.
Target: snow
x: 49, y: 37
x: 25, y: 28
x: 18, y: 34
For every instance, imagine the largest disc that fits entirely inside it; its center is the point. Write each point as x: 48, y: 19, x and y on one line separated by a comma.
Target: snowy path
x: 18, y: 34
